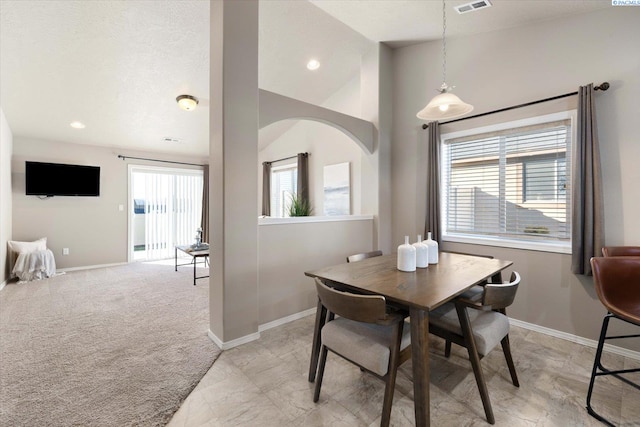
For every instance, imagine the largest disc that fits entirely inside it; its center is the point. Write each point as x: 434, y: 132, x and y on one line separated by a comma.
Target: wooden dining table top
x: 425, y: 288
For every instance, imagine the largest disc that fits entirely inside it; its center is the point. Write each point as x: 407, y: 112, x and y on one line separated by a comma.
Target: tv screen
x: 56, y: 179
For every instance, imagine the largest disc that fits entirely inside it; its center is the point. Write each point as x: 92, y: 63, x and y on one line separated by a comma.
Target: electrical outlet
x: 65, y: 251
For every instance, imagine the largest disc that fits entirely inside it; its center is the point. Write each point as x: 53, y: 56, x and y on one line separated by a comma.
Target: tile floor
x: 264, y: 383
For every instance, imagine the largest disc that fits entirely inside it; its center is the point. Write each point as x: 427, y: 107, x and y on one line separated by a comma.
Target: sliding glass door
x: 165, y: 210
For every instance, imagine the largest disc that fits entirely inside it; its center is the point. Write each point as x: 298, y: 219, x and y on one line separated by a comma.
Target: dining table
x: 418, y: 292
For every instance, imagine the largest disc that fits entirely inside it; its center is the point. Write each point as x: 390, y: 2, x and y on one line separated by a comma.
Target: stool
x: 617, y: 281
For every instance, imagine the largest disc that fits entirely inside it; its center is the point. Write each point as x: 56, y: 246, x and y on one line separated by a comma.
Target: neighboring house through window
x: 508, y: 185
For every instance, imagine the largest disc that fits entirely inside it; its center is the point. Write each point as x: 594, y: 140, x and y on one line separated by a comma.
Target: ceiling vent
x: 473, y: 6
x: 171, y: 140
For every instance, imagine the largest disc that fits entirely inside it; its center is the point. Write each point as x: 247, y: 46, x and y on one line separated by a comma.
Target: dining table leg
x: 321, y: 316
x: 420, y: 362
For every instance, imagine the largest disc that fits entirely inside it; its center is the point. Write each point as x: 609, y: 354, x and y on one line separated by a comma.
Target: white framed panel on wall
x: 337, y: 189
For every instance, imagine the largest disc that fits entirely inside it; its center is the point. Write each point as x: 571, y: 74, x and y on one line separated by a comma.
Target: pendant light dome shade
x: 443, y: 107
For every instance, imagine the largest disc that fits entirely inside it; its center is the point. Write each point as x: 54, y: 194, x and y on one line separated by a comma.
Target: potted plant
x: 299, y: 207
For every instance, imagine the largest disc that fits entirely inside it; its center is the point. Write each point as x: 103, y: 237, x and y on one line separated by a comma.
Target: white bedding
x: 35, y: 265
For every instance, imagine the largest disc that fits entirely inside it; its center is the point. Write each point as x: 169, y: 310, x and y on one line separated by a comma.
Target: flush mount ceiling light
x: 446, y: 105
x: 187, y: 102
x: 77, y: 125
x: 313, y: 64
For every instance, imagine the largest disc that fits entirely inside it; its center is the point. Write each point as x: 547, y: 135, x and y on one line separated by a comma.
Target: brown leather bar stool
x: 617, y: 281
x: 621, y: 251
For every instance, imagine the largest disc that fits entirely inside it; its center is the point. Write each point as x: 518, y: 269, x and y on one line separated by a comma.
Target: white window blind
x: 510, y: 184
x: 284, y: 183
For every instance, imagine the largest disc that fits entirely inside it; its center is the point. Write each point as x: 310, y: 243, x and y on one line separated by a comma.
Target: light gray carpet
x: 117, y: 346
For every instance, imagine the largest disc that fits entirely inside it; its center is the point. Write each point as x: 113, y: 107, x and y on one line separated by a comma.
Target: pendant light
x: 446, y: 105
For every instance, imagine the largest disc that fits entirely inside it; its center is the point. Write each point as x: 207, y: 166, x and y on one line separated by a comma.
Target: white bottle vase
x: 406, y: 256
x: 422, y: 253
x: 433, y: 249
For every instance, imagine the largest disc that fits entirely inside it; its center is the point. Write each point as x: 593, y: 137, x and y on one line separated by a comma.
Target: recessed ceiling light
x: 77, y: 125
x: 313, y: 64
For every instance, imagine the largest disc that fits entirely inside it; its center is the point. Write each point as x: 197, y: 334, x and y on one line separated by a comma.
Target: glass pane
x: 510, y: 183
x: 283, y: 185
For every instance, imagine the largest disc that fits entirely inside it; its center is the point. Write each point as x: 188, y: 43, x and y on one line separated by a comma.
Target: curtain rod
x: 604, y: 86
x: 120, y: 156
x: 285, y: 158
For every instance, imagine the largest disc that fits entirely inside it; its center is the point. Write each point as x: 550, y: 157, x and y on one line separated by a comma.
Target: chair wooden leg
x: 390, y: 385
x: 321, y: 317
x: 506, y: 348
x: 390, y: 379
x: 323, y: 361
x: 470, y: 343
x: 447, y: 348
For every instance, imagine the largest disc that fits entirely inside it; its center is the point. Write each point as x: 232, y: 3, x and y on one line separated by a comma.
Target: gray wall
x: 503, y: 68
x: 286, y: 251
x: 6, y: 148
x: 93, y: 228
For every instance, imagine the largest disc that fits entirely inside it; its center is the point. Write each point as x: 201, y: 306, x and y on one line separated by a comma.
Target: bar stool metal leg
x: 596, y: 365
x: 599, y: 369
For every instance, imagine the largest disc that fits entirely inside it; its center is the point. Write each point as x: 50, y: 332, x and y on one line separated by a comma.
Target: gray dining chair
x: 481, y: 329
x: 366, y: 333
x: 364, y: 255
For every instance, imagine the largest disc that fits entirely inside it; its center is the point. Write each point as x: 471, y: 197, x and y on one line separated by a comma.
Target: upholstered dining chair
x: 479, y: 329
x: 617, y: 282
x: 366, y: 334
x: 364, y: 255
x: 608, y: 251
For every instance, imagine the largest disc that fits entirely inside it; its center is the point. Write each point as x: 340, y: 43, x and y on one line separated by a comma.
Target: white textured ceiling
x: 404, y: 22
x: 118, y: 65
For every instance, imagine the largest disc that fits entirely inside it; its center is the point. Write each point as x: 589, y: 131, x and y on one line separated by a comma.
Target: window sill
x: 554, y: 247
x: 308, y: 219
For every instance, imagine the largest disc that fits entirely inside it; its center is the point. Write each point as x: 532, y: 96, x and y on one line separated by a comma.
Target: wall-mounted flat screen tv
x: 56, y: 179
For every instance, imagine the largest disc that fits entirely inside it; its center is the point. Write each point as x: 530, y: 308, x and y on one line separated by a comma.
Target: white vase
x: 433, y: 249
x: 422, y: 253
x: 406, y: 256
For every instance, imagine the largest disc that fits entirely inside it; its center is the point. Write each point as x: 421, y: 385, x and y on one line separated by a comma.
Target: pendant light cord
x: 444, y: 44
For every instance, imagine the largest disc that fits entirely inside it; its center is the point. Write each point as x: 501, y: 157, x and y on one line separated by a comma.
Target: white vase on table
x: 406, y: 256
x: 433, y: 249
x: 422, y: 253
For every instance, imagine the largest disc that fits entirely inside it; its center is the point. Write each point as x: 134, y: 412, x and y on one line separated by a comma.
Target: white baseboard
x: 576, y: 339
x: 261, y: 328
x: 233, y: 343
x: 287, y: 319
x: 2, y: 285
x: 91, y: 267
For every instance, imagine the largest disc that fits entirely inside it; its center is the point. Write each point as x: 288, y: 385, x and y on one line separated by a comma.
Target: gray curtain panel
x: 303, y: 177
x: 587, y: 221
x: 266, y: 189
x: 204, y: 220
x: 432, y: 223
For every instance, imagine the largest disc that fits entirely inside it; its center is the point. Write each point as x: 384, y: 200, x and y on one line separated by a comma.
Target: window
x: 167, y: 210
x: 284, y: 183
x: 509, y: 185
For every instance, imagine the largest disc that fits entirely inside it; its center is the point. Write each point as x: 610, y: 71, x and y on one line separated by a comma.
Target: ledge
x: 310, y: 219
